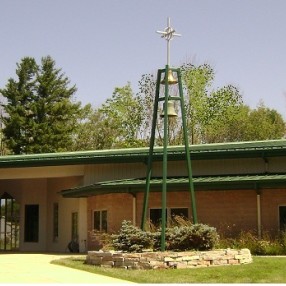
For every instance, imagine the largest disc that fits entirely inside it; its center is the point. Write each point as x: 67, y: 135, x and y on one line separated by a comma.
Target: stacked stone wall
x: 155, y: 260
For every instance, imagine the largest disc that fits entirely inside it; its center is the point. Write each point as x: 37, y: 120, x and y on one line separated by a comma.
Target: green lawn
x: 262, y: 270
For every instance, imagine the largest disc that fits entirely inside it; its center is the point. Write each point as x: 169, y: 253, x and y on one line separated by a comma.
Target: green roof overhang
x: 255, y: 149
x: 175, y: 184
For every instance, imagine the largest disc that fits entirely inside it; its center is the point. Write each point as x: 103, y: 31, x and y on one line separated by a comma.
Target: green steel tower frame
x: 168, y: 34
x: 165, y: 99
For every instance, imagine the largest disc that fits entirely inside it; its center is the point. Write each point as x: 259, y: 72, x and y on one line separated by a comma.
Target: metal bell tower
x: 169, y: 79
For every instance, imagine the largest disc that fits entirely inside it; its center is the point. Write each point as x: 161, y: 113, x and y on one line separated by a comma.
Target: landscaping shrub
x: 192, y: 237
x: 178, y: 238
x: 132, y: 238
x: 100, y: 240
x: 183, y: 235
x: 257, y: 246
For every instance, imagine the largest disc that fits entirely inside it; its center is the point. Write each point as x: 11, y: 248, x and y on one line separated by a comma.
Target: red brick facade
x: 230, y: 211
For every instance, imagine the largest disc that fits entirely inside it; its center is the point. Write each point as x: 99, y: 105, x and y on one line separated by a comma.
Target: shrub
x: 132, y: 238
x: 257, y: 246
x: 181, y: 238
x: 100, y: 240
x: 196, y: 236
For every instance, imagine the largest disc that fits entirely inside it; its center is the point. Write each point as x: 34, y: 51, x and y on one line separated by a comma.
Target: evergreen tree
x: 40, y: 114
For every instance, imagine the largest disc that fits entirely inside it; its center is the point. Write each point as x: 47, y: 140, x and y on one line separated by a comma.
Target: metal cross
x: 168, y: 34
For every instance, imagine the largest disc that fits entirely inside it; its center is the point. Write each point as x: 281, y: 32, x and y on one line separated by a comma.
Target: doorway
x: 31, y: 223
x: 282, y: 218
x: 9, y: 223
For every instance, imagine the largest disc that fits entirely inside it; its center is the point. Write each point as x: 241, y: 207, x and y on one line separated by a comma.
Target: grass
x: 262, y: 270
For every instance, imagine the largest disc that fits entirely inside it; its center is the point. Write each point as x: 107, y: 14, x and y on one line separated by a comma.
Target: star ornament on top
x: 168, y: 34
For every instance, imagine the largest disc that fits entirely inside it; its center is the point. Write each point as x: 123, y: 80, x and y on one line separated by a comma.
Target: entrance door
x: 9, y: 223
x: 31, y: 223
x: 282, y: 218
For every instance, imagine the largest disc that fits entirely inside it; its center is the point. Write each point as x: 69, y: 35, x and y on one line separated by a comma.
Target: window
x: 182, y: 212
x: 155, y: 217
x: 282, y: 218
x: 100, y: 220
x: 31, y: 233
x: 156, y: 214
x: 55, y: 221
x: 9, y: 222
x: 74, y: 234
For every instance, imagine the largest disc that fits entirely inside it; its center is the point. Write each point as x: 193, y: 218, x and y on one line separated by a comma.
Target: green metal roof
x: 201, y: 183
x: 202, y: 151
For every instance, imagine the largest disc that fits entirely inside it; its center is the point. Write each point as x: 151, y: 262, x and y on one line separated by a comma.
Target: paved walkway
x: 36, y: 268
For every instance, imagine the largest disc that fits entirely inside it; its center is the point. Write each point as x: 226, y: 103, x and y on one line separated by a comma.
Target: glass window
x: 96, y: 220
x: 182, y: 212
x: 100, y: 220
x: 74, y: 226
x: 156, y: 214
x: 55, y: 221
x: 156, y: 217
x: 104, y: 221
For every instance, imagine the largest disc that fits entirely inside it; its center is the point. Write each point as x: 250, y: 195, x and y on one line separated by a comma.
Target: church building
x: 49, y: 200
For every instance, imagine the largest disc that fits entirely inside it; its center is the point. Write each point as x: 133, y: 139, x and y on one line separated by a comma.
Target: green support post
x: 187, y: 149
x: 150, y: 157
x: 165, y: 159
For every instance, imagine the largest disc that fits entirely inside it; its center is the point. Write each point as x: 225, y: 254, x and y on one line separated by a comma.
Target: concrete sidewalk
x: 36, y: 268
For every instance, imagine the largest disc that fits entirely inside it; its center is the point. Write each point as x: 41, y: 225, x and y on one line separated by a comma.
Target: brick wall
x: 230, y: 211
x: 270, y: 201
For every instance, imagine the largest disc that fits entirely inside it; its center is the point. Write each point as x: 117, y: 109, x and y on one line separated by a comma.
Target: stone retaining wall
x: 154, y: 260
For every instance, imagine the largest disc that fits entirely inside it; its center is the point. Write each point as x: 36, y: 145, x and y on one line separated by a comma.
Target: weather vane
x: 168, y: 34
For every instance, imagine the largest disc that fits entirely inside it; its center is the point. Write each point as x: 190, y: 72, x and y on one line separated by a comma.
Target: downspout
x: 258, y: 207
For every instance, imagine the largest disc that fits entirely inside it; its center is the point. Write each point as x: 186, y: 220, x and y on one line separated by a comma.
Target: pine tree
x: 19, y: 94
x: 40, y: 114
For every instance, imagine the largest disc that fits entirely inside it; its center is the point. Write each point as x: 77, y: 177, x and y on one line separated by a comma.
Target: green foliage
x: 191, y: 237
x: 178, y: 238
x: 271, y: 124
x: 257, y: 246
x: 122, y: 117
x: 40, y: 115
x: 213, y: 115
x: 116, y: 124
x: 131, y: 238
x: 205, y: 105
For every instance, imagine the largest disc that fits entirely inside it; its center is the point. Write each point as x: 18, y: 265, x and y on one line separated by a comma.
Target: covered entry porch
x: 34, y: 216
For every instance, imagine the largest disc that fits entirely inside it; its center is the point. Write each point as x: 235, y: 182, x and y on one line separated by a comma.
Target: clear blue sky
x: 104, y: 44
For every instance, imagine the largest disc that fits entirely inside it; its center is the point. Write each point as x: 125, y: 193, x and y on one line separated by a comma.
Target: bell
x: 170, y: 109
x: 171, y: 79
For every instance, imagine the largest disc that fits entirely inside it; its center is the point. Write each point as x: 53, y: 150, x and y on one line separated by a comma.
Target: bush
x: 181, y: 238
x: 178, y: 238
x: 257, y: 246
x: 100, y: 240
x: 132, y: 238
